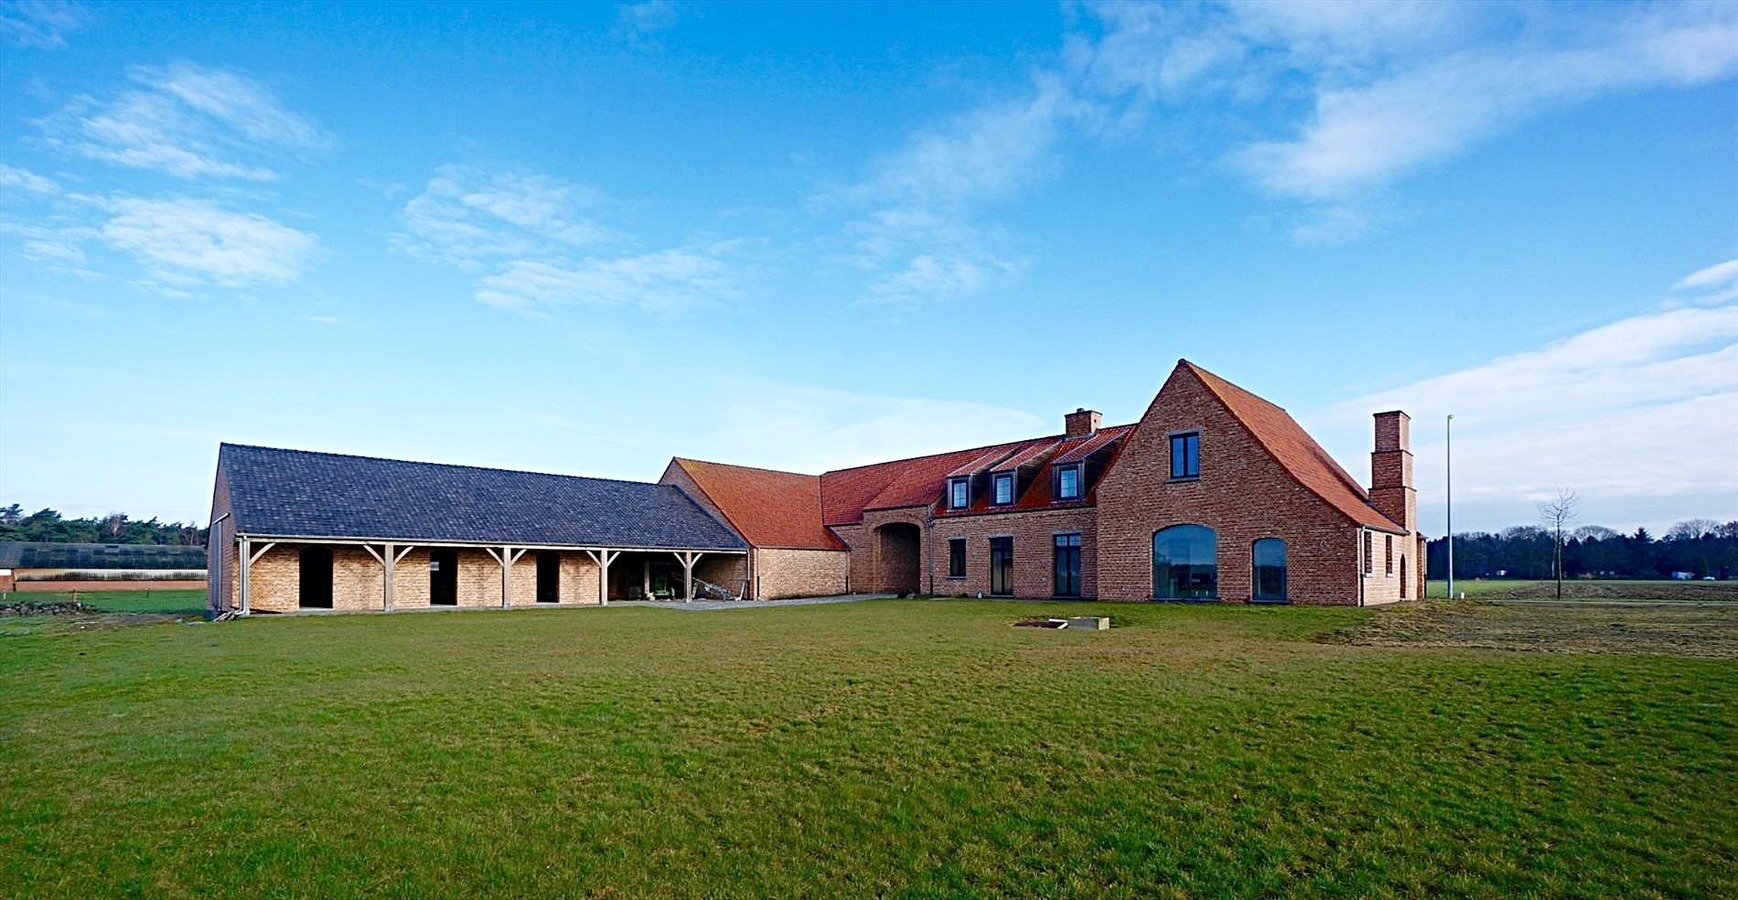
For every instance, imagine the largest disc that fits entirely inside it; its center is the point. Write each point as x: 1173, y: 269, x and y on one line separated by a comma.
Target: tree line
x: 115, y: 528
x: 1700, y: 547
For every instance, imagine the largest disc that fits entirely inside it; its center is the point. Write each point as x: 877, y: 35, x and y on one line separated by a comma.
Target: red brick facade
x: 1259, y: 478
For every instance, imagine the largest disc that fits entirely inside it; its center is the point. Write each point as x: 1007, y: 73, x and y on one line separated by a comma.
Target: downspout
x: 929, y: 545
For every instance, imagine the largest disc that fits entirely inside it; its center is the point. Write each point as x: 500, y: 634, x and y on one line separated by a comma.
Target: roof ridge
x: 984, y: 448
x: 1219, y: 386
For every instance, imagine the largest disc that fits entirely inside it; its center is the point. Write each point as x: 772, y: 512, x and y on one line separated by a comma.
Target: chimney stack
x: 1081, y: 422
x: 1391, y: 489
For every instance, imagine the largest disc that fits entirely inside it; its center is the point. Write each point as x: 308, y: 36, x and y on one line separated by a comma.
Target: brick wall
x: 780, y: 573
x: 1242, y: 493
x: 1034, y: 535
x: 358, y: 581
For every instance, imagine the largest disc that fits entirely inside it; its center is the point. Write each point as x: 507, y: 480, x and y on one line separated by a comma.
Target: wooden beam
x: 248, y: 557
x: 603, y: 558
x: 688, y: 558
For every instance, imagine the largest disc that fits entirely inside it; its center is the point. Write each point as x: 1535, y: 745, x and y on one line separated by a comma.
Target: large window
x: 1390, y: 542
x: 959, y: 493
x: 1068, y: 482
x: 1068, y: 565
x: 1185, y: 563
x: 1003, y: 483
x: 1186, y: 455
x: 956, y: 558
x: 1269, y: 559
x: 1002, y: 566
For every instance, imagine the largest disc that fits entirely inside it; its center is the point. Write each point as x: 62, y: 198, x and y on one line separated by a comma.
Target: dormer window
x: 1002, y: 485
x: 959, y: 493
x: 1068, y: 482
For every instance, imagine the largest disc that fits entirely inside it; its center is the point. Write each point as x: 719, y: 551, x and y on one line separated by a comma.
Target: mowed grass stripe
x: 918, y: 748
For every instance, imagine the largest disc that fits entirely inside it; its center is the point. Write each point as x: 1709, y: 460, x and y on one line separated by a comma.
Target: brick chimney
x: 1391, y: 489
x: 1082, y: 422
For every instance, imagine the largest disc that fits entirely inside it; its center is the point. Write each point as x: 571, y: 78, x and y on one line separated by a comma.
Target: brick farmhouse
x: 1213, y: 495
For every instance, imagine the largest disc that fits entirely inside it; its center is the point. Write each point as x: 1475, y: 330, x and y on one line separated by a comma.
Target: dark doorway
x: 315, y: 564
x: 443, y: 577
x: 1002, y: 566
x: 548, y: 576
x: 898, y: 555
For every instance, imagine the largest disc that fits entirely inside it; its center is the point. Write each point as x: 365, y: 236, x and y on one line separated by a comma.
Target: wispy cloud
x: 186, y: 121
x: 41, y: 23
x: 916, y: 236
x: 638, y: 21
x: 190, y: 242
x: 805, y: 429
x: 1642, y: 410
x: 14, y: 178
x: 535, y: 243
x: 1390, y: 88
x: 1715, y: 285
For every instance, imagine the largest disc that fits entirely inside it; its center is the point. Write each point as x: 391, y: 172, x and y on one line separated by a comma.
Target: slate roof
x: 1299, y: 453
x: 47, y: 555
x: 769, y: 508
x: 297, y: 493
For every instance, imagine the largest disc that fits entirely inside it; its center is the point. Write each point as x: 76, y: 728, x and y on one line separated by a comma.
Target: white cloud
x: 812, y: 430
x: 640, y: 20
x: 465, y: 216
x: 41, y: 23
x: 1712, y: 286
x: 186, y: 121
x: 534, y: 244
x: 15, y: 178
x: 1639, y: 414
x: 1392, y: 87
x: 664, y: 282
x: 184, y: 242
x: 917, y: 239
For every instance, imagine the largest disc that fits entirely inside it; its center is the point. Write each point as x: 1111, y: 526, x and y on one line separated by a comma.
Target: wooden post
x: 248, y: 558
x: 506, y: 558
x: 688, y: 558
x: 389, y: 558
x: 603, y: 558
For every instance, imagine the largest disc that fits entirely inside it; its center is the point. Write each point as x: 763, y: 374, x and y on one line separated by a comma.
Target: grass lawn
x: 914, y: 748
x: 1585, y: 589
x: 172, y: 603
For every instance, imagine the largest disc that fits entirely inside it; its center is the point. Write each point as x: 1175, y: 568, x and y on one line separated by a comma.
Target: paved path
x: 700, y: 605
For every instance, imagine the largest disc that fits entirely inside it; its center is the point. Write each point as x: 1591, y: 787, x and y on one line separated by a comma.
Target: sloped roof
x: 1027, y: 456
x: 769, y: 508
x: 919, y: 481
x: 981, y: 464
x: 1296, y: 451
x: 49, y: 555
x: 1091, y: 444
x: 297, y: 493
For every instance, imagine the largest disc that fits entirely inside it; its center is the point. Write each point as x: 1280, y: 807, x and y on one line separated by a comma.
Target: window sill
x: 954, y: 577
x: 1182, y: 478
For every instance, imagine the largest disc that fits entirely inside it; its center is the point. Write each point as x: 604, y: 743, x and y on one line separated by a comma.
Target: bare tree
x: 1556, y: 515
x: 1692, y: 529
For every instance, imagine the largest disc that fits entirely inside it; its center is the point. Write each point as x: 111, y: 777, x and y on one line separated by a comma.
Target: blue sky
x: 584, y: 238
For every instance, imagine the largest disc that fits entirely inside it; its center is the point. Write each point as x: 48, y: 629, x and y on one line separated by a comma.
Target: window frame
x: 1079, y: 472
x: 956, y: 557
x: 997, y: 479
x: 953, y: 486
x: 1212, y: 592
x: 1255, y: 567
x: 1002, y: 545
x: 1066, y: 543
x: 1186, y: 467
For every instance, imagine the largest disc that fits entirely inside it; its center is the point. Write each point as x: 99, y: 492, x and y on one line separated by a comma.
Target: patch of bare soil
x: 33, y: 617
x: 1700, y: 630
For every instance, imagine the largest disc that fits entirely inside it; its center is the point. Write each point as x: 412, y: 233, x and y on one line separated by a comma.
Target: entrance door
x: 443, y: 577
x: 1002, y: 566
x: 548, y: 576
x: 315, y: 570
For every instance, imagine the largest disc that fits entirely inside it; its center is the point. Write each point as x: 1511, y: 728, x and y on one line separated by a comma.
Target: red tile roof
x: 846, y: 493
x: 1032, y: 455
x: 769, y: 508
x: 981, y: 464
x: 1294, y: 449
x: 1076, y: 452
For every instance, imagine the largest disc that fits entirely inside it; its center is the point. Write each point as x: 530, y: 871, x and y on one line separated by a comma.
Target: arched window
x: 1185, y: 563
x: 1269, y: 561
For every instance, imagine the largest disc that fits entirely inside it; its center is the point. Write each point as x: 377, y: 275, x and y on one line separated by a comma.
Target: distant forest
x: 114, y: 528
x: 1701, y: 547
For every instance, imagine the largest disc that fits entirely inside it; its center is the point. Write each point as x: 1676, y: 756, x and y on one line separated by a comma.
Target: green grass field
x: 913, y: 748
x: 171, y: 603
